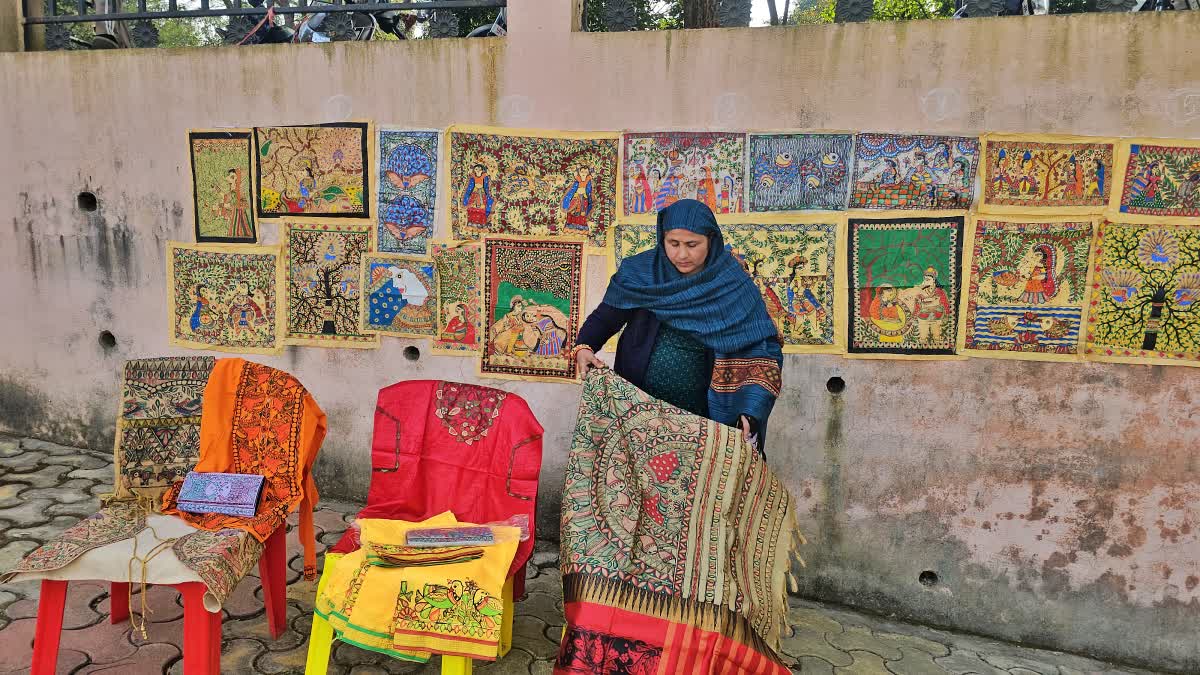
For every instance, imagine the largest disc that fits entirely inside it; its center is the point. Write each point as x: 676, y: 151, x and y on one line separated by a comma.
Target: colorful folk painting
x: 459, y: 325
x: 799, y: 172
x: 544, y: 185
x: 322, y: 265
x: 408, y: 162
x: 793, y: 266
x: 1161, y: 180
x: 399, y: 296
x: 662, y: 168
x: 1066, y: 176
x: 224, y: 297
x: 1145, y: 300
x: 222, y: 175
x: 895, y: 171
x: 904, y: 286
x: 531, y: 298
x: 313, y: 171
x: 1026, y: 289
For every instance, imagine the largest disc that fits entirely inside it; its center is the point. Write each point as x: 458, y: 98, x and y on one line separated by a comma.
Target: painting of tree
x: 318, y: 170
x: 323, y: 286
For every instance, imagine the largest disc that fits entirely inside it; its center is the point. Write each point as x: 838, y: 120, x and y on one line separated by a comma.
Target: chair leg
x: 506, y: 621
x: 272, y: 568
x: 51, y: 603
x: 457, y: 665
x: 201, y: 632
x: 118, y: 601
x: 320, y: 638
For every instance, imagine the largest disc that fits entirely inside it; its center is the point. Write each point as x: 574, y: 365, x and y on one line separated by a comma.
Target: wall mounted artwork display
x: 898, y: 171
x: 662, y: 168
x: 799, y: 172
x: 222, y: 184
x: 459, y: 326
x: 224, y: 297
x: 313, y: 171
x: 399, y: 295
x: 1158, y: 181
x: 408, y: 162
x: 322, y: 269
x: 1046, y: 174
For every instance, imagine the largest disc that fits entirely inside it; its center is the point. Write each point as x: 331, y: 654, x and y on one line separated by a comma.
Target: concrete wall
x: 1056, y: 503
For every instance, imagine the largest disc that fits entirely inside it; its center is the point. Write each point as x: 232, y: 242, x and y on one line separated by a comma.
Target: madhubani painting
x: 662, y: 168
x: 531, y: 301
x: 408, y: 162
x: 547, y: 185
x: 897, y: 171
x: 318, y: 170
x: 322, y: 265
x: 1145, y: 301
x: 1026, y: 288
x: 793, y: 266
x: 223, y: 297
x: 799, y: 172
x: 1045, y: 173
x: 400, y: 295
x: 222, y: 182
x: 459, y: 325
x: 904, y: 286
x: 1161, y: 180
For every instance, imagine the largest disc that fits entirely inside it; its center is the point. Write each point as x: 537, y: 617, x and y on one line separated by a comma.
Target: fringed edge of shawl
x: 785, y: 566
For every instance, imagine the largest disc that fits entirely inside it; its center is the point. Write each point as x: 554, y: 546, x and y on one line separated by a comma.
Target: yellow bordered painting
x: 314, y: 171
x: 322, y: 272
x: 399, y: 296
x: 1047, y: 174
x: 1157, y: 181
x: 222, y: 168
x: 225, y: 297
x: 459, y: 309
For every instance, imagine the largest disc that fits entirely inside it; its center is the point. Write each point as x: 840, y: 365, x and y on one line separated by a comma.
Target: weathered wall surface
x: 1058, y: 504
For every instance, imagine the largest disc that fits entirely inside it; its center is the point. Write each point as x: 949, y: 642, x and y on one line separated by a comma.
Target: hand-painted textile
x: 224, y: 297
x: 1026, y: 288
x: 662, y: 168
x: 459, y: 316
x: 895, y: 171
x: 260, y: 420
x: 408, y: 162
x: 675, y: 527
x: 1161, y: 180
x: 221, y: 557
x: 158, y: 431
x: 904, y: 285
x: 544, y: 185
x: 1066, y: 177
x: 1145, y: 299
x: 322, y: 266
x: 400, y: 295
x: 222, y: 186
x: 411, y: 611
x: 799, y: 172
x: 115, y: 522
x: 531, y: 301
x: 318, y: 170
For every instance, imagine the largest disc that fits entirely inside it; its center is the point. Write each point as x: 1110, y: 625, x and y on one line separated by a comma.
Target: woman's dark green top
x: 679, y: 371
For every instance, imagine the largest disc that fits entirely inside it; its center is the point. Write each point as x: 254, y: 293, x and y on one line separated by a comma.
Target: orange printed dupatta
x: 260, y: 420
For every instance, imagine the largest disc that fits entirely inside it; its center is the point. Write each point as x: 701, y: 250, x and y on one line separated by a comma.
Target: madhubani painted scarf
x: 677, y: 542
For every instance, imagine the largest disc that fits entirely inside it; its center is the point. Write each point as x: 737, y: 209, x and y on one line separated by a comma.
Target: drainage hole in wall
x: 412, y: 353
x: 835, y: 385
x: 86, y: 201
x: 928, y: 578
x: 107, y: 340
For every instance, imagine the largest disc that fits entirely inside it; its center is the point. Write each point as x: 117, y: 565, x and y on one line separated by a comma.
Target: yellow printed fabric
x: 1047, y: 174
x: 1157, y: 181
x: 411, y: 611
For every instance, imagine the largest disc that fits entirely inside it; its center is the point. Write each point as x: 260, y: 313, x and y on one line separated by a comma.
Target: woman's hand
x: 585, y: 360
x: 748, y: 432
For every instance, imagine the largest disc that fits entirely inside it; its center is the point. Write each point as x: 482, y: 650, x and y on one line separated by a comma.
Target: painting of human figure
x: 799, y: 172
x: 898, y: 171
x: 224, y: 297
x: 1161, y: 180
x: 459, y: 327
x: 322, y: 271
x: 662, y: 168
x: 1026, y: 288
x: 1075, y: 176
x: 531, y: 299
x: 222, y: 175
x: 399, y: 296
x: 408, y: 163
x: 313, y: 171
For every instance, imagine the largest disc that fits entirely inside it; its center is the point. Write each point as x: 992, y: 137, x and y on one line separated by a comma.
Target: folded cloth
x: 407, y: 556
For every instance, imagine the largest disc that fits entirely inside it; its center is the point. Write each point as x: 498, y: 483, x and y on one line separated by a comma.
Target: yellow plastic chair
x: 320, y: 639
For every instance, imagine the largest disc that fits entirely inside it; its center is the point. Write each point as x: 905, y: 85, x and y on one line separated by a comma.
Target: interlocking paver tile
x: 45, y: 477
x: 80, y: 510
x: 103, y: 642
x: 542, y: 605
x: 104, y: 473
x: 26, y: 461
x: 811, y: 664
x: 916, y: 662
x: 516, y: 662
x: 70, y: 492
x: 857, y: 637
x: 914, y: 642
x: 28, y: 512
x: 44, y: 532
x: 530, y: 633
x: 151, y: 658
x: 813, y: 621
x: 10, y: 447
x: 162, y: 603
x: 245, y: 601
x: 77, y: 613
x: 8, y: 494
x: 1010, y: 663
x: 813, y: 643
x: 963, y: 661
x: 238, y: 655
x: 17, y: 639
x: 258, y: 629
x: 865, y: 663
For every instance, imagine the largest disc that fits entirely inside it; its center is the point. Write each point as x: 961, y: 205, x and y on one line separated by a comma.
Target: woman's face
x: 686, y: 250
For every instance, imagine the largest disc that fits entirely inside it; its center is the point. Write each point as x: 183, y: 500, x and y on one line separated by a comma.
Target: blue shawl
x: 720, y: 306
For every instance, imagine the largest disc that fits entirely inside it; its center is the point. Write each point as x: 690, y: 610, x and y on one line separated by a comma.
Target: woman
x: 697, y: 334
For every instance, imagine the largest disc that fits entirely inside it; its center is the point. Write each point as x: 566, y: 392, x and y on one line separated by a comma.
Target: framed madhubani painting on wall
x: 1145, y: 297
x: 399, y: 295
x: 1027, y: 283
x: 1158, y: 181
x: 322, y: 272
x: 459, y: 326
x: 1066, y: 175
x: 315, y: 171
x: 904, y: 286
x: 222, y: 164
x: 224, y: 297
x: 661, y: 168
x: 799, y: 172
x: 532, y: 292
x: 899, y: 171
x: 407, y: 166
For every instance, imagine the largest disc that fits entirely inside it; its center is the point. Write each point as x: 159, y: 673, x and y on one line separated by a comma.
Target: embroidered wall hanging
x: 532, y: 183
x: 531, y: 298
x: 904, y: 286
x: 895, y: 171
x: 224, y: 297
x: 400, y: 295
x: 222, y: 171
x: 662, y: 168
x: 1144, y: 306
x: 1026, y: 284
x: 1161, y: 180
x: 459, y: 327
x: 408, y: 162
x: 1052, y: 174
x: 799, y: 172
x: 317, y: 170
x: 322, y: 271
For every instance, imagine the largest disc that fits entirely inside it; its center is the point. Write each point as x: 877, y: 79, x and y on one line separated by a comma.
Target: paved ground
x: 45, y: 488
